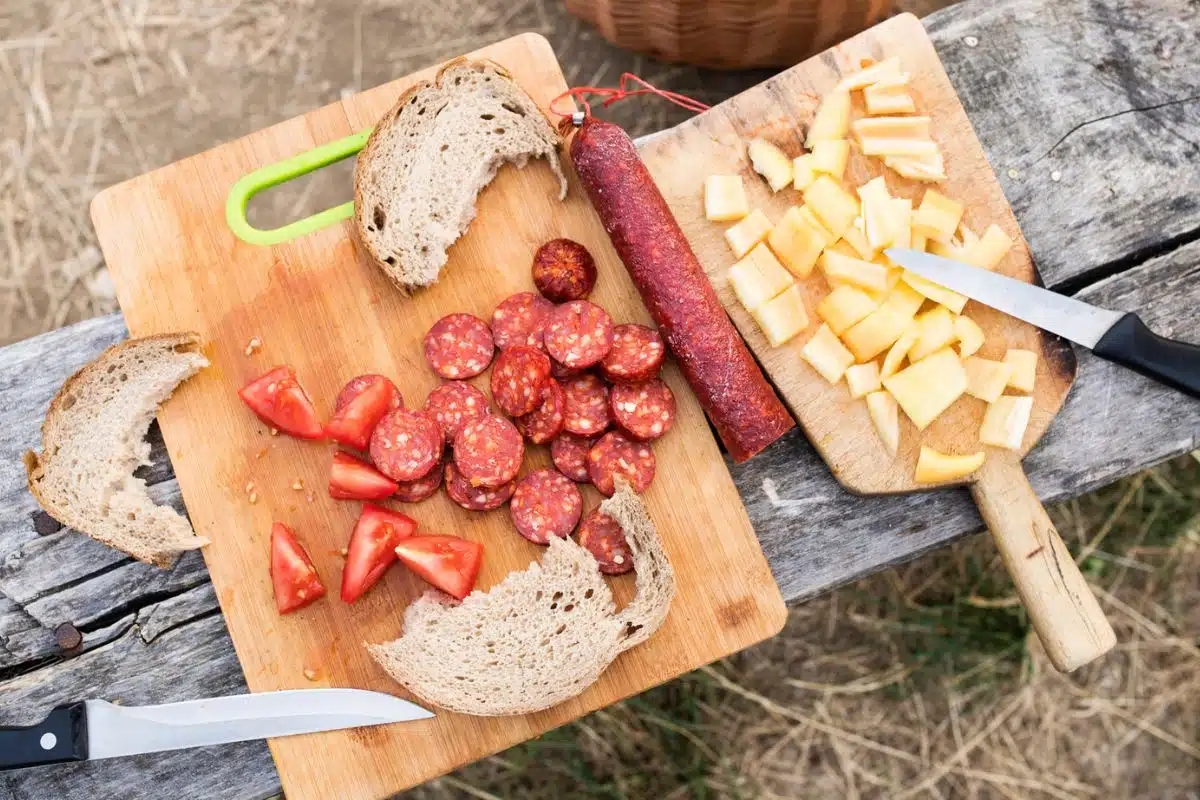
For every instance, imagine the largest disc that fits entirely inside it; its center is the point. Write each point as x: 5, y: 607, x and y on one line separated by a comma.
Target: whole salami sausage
x: 452, y: 405
x: 406, y: 445
x: 476, y: 498
x: 617, y: 454
x: 563, y: 270
x: 569, y: 453
x: 743, y: 407
x: 601, y: 535
x: 546, y: 421
x: 488, y: 451
x: 545, y: 504
x: 518, y: 378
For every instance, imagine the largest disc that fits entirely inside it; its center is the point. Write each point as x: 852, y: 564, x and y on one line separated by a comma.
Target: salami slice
x: 546, y: 421
x: 636, y: 355
x: 560, y: 372
x: 356, y: 386
x: 545, y: 504
x: 475, y: 498
x: 578, y: 334
x: 459, y: 346
x: 601, y: 535
x: 643, y: 410
x: 519, y: 320
x: 518, y: 378
x: 422, y: 488
x: 488, y: 451
x: 563, y: 270
x: 585, y: 410
x: 569, y: 453
x: 452, y: 405
x: 617, y: 454
x: 406, y: 445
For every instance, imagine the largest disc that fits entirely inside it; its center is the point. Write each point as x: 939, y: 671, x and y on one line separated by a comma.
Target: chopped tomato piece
x: 292, y: 572
x: 449, y: 563
x: 359, y: 407
x: 352, y: 479
x: 282, y: 403
x: 373, y: 548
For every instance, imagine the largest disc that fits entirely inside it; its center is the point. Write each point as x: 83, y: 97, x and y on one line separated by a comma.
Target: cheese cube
x: 937, y: 217
x: 725, y: 198
x: 856, y: 237
x: 876, y: 213
x: 770, y: 162
x: 1024, y: 369
x: 802, y: 172
x: 927, y: 388
x: 783, y: 316
x: 827, y: 355
x: 863, y: 379
x: 935, y: 467
x: 875, y: 333
x: 796, y: 243
x: 938, y: 294
x: 758, y: 277
x: 814, y: 222
x: 897, y: 352
x: 845, y: 306
x: 935, y: 330
x: 899, y: 128
x: 884, y: 414
x: 889, y: 96
x: 743, y: 236
x: 864, y: 274
x: 928, y: 168
x: 832, y: 119
x: 969, y: 336
x: 990, y: 250
x: 901, y: 222
x: 986, y: 379
x: 919, y: 149
x: 881, y: 70
x: 904, y: 300
x: 830, y: 156
x: 1005, y: 421
x: 832, y: 204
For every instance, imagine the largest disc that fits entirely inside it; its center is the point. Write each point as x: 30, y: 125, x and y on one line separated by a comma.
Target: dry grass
x: 922, y: 681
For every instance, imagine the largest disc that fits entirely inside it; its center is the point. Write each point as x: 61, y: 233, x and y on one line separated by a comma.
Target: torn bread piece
x: 94, y: 437
x: 425, y: 163
x: 540, y: 636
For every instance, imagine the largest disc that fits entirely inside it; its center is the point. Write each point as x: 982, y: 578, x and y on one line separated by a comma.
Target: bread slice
x: 540, y: 636
x: 425, y: 163
x: 94, y: 437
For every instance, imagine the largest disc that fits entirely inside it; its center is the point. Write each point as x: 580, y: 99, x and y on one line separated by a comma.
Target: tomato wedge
x: 359, y: 406
x: 372, y: 548
x: 449, y: 563
x: 292, y: 572
x: 282, y: 403
x: 353, y: 479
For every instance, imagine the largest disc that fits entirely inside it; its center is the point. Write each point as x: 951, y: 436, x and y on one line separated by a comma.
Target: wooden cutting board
x: 319, y: 307
x: 780, y: 110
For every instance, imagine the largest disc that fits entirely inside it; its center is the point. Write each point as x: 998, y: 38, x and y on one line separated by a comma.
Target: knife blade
x: 1114, y: 335
x: 96, y: 729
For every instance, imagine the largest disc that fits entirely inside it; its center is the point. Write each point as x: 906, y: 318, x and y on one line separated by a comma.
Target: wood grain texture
x: 780, y: 110
x: 815, y: 535
x: 330, y: 314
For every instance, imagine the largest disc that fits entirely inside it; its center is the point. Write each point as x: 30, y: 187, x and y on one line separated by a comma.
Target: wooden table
x: 1089, y: 114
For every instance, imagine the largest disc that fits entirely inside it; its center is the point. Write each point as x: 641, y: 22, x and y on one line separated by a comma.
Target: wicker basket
x: 729, y: 34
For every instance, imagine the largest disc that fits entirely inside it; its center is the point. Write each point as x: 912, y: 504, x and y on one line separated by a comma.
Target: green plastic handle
x: 282, y: 172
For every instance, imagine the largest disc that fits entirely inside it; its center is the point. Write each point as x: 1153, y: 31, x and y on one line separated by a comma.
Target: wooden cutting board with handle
x: 317, y: 305
x: 1060, y: 604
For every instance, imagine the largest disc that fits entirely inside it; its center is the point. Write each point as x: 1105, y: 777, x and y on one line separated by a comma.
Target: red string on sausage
x: 610, y: 95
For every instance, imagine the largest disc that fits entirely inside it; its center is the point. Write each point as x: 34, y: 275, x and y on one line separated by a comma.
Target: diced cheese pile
x: 901, y: 342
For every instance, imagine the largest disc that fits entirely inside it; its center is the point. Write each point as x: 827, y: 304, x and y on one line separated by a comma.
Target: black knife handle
x: 1133, y: 345
x: 61, y: 736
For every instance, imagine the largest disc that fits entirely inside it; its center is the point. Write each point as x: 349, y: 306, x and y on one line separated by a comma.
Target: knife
x: 97, y: 729
x: 1114, y: 335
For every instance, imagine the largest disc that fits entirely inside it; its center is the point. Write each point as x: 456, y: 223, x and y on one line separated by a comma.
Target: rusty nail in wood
x: 68, y: 637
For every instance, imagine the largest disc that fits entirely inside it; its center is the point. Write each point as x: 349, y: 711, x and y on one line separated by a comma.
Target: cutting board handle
x: 1065, y: 614
x: 281, y: 172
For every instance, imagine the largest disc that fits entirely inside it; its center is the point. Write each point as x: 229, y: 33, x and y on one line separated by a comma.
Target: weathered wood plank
x: 1089, y: 112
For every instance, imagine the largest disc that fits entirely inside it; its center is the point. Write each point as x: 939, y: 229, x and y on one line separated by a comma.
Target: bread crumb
x: 298, y: 485
x: 345, y: 551
x: 274, y: 431
x: 310, y: 673
x: 253, y: 345
x: 253, y: 498
x: 260, y: 453
x: 249, y: 487
x: 310, y: 495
